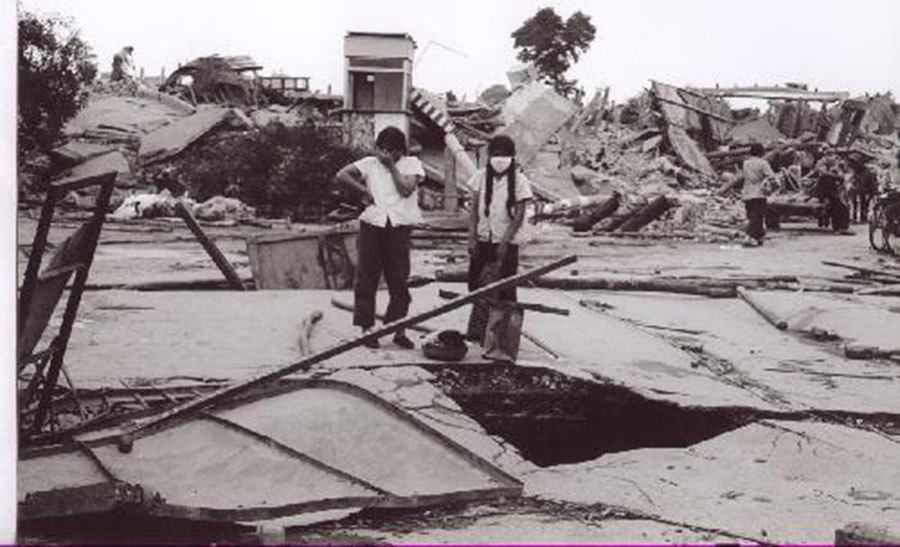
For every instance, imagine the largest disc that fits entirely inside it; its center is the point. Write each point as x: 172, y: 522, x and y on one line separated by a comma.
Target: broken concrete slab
x: 622, y: 354
x: 168, y: 141
x: 773, y: 481
x: 688, y: 151
x: 412, y: 388
x: 675, y: 114
x: 128, y: 115
x: 796, y: 374
x: 287, y: 450
x: 74, y: 152
x: 182, y: 333
x: 103, y: 163
x: 534, y: 113
x: 171, y: 101
x: 852, y: 321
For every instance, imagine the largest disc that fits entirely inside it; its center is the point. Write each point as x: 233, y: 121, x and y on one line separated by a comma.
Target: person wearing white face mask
x: 500, y: 195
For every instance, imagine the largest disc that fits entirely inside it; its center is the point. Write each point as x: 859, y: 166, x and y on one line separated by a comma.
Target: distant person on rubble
x: 123, y: 65
x: 758, y: 176
x: 387, y: 184
x: 500, y: 194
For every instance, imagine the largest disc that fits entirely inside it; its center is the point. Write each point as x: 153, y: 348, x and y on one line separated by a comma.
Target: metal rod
x: 221, y: 262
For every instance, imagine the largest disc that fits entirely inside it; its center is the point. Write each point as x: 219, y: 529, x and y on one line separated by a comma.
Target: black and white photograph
x: 389, y: 272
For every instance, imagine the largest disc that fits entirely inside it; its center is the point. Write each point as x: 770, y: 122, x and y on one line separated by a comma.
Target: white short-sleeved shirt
x: 757, y: 172
x: 389, y: 204
x: 492, y: 227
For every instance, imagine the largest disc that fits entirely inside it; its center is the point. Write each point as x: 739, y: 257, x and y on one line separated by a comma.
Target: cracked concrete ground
x: 768, y: 481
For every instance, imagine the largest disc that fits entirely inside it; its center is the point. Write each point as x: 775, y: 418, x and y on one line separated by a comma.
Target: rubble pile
x: 216, y: 133
x: 689, y: 147
x: 163, y: 147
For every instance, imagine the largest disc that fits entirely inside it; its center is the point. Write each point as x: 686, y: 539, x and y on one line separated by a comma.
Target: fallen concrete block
x: 171, y: 139
x: 74, y: 152
x: 675, y: 112
x: 537, y: 112
x: 104, y: 163
x: 688, y: 151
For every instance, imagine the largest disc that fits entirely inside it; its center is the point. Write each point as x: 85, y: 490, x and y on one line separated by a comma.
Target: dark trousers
x: 756, y: 215
x: 381, y: 251
x: 485, y: 253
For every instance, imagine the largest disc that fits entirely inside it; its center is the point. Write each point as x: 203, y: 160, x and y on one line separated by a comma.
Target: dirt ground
x: 656, y: 348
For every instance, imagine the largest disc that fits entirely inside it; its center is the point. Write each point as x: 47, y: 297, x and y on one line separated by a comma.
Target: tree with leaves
x: 55, y: 69
x: 553, y: 45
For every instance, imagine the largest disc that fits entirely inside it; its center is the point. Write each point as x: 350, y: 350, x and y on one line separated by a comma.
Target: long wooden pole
x: 234, y: 281
x: 867, y: 271
x: 771, y: 317
x: 304, y: 364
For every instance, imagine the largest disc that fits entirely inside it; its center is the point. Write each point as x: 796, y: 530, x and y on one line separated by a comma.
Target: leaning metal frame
x: 55, y: 193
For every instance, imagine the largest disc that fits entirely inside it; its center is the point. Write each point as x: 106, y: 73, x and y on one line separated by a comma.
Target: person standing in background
x: 757, y: 175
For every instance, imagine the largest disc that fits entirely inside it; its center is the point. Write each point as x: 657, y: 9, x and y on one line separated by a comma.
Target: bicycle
x: 884, y: 224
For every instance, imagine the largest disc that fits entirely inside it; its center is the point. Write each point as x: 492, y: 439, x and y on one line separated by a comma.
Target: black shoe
x: 373, y: 343
x: 403, y: 341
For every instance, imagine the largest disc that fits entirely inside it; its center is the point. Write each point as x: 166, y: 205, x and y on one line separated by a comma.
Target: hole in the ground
x: 553, y: 419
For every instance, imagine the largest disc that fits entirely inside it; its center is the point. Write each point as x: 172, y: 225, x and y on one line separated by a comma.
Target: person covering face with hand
x: 387, y: 184
x: 500, y: 197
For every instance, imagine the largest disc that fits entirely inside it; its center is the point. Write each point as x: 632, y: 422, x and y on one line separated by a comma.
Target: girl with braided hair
x: 500, y: 193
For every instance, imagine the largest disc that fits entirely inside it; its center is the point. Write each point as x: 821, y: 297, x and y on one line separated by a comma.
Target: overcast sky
x: 465, y: 45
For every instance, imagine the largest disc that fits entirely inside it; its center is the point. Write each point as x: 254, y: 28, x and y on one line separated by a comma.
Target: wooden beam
x: 778, y: 322
x: 866, y: 271
x: 221, y: 262
x: 226, y: 393
x: 774, y: 92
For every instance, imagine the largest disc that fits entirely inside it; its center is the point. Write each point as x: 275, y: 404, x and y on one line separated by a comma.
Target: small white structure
x: 378, y: 80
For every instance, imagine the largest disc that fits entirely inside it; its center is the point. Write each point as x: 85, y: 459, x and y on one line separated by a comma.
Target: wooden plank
x: 234, y: 281
x: 317, y: 260
x: 307, y: 362
x: 867, y: 271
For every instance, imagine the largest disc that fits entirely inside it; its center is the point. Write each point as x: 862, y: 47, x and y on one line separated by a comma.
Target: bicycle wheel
x: 876, y: 222
x: 890, y: 232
